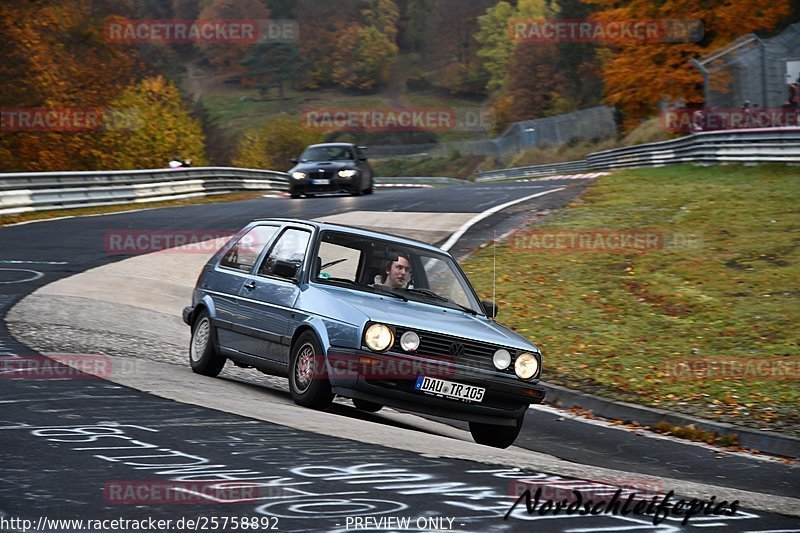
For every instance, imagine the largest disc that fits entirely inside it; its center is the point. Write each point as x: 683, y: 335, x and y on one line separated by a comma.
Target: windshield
x: 385, y: 267
x: 327, y: 153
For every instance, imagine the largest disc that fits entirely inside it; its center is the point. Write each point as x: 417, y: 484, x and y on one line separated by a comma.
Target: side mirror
x: 293, y: 160
x: 490, y: 308
x: 286, y: 269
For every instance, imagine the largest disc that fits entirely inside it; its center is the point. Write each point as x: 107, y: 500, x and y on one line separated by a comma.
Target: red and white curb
x: 586, y: 176
x: 413, y: 185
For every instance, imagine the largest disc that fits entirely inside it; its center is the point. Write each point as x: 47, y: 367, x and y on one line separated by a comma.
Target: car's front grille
x: 472, y: 353
x: 323, y: 174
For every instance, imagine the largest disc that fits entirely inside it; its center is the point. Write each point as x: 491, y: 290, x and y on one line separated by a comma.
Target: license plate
x: 449, y: 389
x: 323, y: 181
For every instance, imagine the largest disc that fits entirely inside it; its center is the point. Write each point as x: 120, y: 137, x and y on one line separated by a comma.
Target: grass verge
x: 703, y: 322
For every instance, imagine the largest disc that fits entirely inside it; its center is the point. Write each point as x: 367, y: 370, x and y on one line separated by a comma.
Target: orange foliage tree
x: 228, y: 54
x: 54, y: 55
x: 638, y: 76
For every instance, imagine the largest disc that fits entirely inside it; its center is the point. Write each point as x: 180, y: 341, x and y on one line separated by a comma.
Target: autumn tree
x: 579, y: 63
x: 496, y: 45
x: 537, y: 80
x: 321, y: 25
x: 638, y: 76
x: 153, y: 127
x: 271, y: 146
x: 413, y: 25
x: 364, y: 60
x: 55, y: 55
x: 228, y: 55
x: 273, y: 64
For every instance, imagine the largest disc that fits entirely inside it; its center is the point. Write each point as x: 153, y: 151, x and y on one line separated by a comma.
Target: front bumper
x: 334, y: 184
x: 188, y: 315
x: 389, y: 379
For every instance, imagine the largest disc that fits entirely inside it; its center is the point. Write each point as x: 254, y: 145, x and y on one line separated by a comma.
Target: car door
x: 267, y: 297
x: 224, y: 284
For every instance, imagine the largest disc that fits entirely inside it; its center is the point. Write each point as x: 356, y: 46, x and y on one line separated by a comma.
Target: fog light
x: 409, y: 341
x: 501, y: 359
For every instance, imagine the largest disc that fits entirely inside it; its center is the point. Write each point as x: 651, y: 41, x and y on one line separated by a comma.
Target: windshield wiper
x: 390, y: 291
x: 428, y: 292
x: 326, y: 265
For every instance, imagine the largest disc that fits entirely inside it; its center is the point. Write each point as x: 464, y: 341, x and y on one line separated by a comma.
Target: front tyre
x: 204, y: 357
x: 308, y: 380
x: 495, y: 436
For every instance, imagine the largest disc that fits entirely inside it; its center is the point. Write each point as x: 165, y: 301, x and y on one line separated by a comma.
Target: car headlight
x: 347, y: 173
x: 526, y: 366
x: 299, y: 175
x: 379, y: 337
x: 501, y: 359
x: 409, y: 341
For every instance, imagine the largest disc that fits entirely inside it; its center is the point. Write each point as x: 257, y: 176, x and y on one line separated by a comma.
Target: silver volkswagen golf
x: 380, y: 319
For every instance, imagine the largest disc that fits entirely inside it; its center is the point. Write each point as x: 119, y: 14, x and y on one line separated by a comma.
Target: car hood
x: 367, y: 307
x: 310, y: 166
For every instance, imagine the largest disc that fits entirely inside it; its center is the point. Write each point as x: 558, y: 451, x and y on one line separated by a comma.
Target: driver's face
x: 396, y: 277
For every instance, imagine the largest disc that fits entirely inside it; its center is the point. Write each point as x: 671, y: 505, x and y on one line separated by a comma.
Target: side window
x: 244, y: 253
x: 336, y: 261
x: 287, y: 254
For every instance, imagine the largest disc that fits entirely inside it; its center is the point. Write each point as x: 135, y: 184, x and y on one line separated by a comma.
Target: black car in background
x: 331, y: 167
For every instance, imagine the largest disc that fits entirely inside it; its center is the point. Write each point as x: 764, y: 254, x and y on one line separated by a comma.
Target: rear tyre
x: 308, y: 381
x: 294, y: 195
x: 204, y: 357
x: 493, y: 435
x: 368, y: 406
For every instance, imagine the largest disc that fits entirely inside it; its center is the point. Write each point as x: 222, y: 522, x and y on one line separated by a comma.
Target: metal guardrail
x: 27, y: 191
x: 535, y: 171
x: 24, y: 192
x: 774, y: 145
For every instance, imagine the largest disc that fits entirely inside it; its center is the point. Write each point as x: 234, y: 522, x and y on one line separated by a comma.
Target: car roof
x: 355, y: 231
x: 342, y: 145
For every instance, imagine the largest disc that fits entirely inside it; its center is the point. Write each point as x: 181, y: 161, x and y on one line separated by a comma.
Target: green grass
x: 453, y: 167
x: 618, y: 324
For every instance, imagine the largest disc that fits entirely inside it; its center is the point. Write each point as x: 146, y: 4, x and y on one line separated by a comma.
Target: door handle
x: 250, y: 285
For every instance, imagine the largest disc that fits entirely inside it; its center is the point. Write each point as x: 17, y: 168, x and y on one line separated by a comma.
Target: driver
x: 396, y: 274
